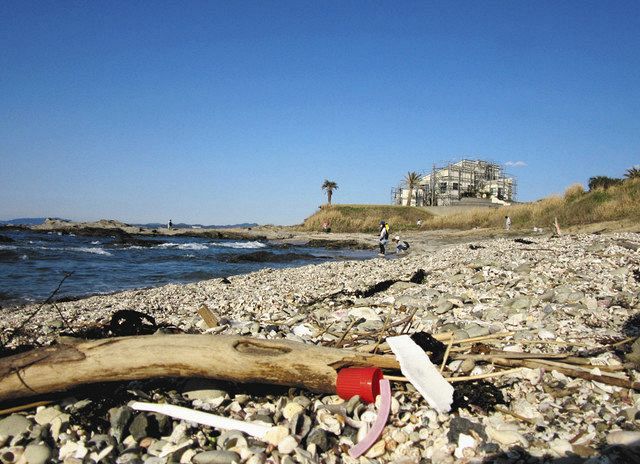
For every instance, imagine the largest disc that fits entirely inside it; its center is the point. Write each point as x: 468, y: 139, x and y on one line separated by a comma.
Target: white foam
x: 8, y: 247
x: 97, y: 251
x: 184, y: 246
x: 243, y: 245
x: 97, y: 242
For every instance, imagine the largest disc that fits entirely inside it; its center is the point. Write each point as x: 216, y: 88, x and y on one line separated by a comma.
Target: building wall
x: 465, y: 178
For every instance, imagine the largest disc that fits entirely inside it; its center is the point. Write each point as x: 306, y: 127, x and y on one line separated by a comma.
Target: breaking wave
x: 184, y: 246
x: 97, y: 251
x: 241, y: 245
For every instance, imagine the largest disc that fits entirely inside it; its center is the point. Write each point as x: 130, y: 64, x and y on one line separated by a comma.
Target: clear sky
x: 231, y: 111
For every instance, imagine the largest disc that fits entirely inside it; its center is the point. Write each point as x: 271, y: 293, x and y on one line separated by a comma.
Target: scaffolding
x: 452, y: 182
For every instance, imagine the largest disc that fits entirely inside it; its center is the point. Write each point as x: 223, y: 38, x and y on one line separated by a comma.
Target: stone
x: 287, y: 445
x: 624, y: 438
x: 36, y: 454
x: 523, y: 269
x: 377, y: 450
x: 461, y: 425
x: 476, y: 330
x: 205, y: 394
x: 47, y: 415
x: 319, y: 438
x: 142, y: 426
x: 521, y: 303
x: 443, y: 307
x: 119, y: 419
x: 411, y: 302
x: 14, y: 425
x: 364, y: 312
x: 467, y: 366
x: 216, y: 457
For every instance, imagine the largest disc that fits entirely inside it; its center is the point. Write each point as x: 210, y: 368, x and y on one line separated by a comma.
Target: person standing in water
x: 384, y: 237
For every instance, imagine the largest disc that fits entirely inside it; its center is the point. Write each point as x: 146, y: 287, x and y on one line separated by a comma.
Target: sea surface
x: 33, y: 264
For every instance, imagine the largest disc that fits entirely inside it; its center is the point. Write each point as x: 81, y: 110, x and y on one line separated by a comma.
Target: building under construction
x: 466, y: 181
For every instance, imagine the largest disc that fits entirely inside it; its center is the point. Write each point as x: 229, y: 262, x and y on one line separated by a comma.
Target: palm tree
x: 633, y: 172
x: 412, y: 179
x: 329, y: 186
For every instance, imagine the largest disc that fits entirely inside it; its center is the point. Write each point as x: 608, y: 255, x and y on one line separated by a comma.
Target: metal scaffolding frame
x: 451, y: 182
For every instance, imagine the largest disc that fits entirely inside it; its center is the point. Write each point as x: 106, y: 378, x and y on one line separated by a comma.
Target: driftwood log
x: 231, y: 358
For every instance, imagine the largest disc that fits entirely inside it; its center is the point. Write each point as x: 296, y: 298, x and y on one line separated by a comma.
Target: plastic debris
x: 378, y: 426
x: 361, y: 381
x: 204, y: 418
x: 423, y: 375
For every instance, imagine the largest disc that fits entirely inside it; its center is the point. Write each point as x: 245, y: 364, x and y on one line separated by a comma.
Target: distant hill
x: 152, y: 225
x: 182, y: 225
x: 28, y: 221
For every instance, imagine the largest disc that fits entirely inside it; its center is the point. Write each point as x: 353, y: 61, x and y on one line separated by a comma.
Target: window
x: 443, y: 187
x: 455, y: 186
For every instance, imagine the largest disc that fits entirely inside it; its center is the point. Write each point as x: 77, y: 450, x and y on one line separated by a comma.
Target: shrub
x: 573, y: 192
x: 602, y: 182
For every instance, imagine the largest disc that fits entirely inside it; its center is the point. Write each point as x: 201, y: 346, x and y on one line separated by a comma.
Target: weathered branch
x: 231, y: 358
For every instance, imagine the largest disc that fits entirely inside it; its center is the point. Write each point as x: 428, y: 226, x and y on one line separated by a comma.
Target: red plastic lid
x: 362, y: 381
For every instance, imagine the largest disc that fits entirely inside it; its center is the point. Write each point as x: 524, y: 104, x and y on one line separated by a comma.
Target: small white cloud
x: 515, y: 164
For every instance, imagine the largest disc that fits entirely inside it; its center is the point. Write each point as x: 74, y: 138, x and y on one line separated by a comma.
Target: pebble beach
x: 574, y: 295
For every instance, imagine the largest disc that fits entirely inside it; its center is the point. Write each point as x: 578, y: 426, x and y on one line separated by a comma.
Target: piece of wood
x: 208, y: 316
x: 231, y: 358
x: 468, y: 378
x: 571, y: 372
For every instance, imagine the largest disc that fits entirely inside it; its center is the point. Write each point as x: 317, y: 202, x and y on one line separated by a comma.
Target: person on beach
x: 384, y: 237
x: 326, y: 227
x: 507, y: 223
x: 170, y: 224
x: 401, y: 245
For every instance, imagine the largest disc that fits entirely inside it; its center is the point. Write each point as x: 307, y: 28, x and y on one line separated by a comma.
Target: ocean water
x: 33, y: 264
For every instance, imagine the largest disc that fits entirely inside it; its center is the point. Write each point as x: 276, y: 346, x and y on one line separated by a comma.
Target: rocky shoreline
x: 572, y: 295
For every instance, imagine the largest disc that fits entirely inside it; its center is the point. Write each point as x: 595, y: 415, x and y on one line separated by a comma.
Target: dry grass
x: 576, y: 207
x: 365, y: 218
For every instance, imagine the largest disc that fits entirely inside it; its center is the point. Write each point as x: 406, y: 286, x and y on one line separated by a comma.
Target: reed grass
x: 574, y: 207
x: 365, y: 218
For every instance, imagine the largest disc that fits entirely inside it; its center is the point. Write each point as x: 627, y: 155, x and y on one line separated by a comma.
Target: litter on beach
x: 420, y: 371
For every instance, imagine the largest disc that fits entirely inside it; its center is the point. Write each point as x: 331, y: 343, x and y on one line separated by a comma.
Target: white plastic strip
x: 204, y: 418
x: 418, y: 369
x: 378, y: 426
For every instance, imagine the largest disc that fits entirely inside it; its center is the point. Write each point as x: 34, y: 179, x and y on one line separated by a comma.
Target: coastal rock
x: 216, y: 457
x: 624, y: 438
x: 14, y: 425
x: 36, y: 454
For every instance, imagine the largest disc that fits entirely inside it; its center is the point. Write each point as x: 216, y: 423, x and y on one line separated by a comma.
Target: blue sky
x: 230, y: 111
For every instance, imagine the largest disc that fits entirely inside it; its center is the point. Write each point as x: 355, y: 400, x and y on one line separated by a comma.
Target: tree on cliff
x: 633, y: 172
x: 603, y: 182
x: 412, y: 179
x: 329, y: 186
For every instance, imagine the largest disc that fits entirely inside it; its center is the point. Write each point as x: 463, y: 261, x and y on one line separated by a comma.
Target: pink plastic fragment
x: 378, y: 426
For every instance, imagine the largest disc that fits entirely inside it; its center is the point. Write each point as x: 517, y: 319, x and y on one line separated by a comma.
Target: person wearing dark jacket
x: 384, y: 237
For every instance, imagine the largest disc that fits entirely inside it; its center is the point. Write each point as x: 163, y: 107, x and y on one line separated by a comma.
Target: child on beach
x: 401, y: 245
x: 507, y: 222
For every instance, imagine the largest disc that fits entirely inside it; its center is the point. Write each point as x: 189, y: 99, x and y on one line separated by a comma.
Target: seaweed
x: 426, y: 341
x: 479, y: 395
